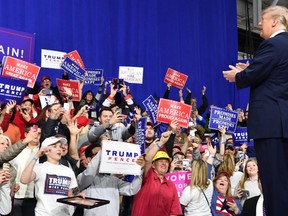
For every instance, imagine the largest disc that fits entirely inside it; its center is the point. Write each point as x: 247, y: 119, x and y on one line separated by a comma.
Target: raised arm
x: 28, y: 174
x: 154, y: 149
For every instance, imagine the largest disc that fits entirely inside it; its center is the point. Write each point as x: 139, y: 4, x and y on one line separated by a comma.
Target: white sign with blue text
x: 119, y: 158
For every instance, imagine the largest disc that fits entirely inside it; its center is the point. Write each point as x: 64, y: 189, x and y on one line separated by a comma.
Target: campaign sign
x: 141, y: 133
x: 131, y: 74
x: 119, y: 158
x: 175, y: 78
x: 47, y: 100
x: 240, y: 136
x: 74, y: 56
x: 93, y: 77
x: 20, y: 69
x: 180, y: 179
x: 152, y: 108
x: 70, y: 66
x: 169, y: 110
x: 220, y: 117
x: 12, y: 89
x: 70, y: 84
x: 16, y: 44
x: 52, y: 59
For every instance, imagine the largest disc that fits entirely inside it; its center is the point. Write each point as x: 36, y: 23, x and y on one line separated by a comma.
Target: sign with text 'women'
x: 180, y: 179
x: 169, y: 110
x: 20, y: 69
x: 119, y: 158
x: 175, y: 78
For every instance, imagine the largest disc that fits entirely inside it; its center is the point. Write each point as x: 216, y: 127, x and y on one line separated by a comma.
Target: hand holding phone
x: 245, y: 193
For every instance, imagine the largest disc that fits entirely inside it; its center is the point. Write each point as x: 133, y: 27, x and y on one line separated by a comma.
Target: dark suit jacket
x: 249, y: 208
x: 267, y: 77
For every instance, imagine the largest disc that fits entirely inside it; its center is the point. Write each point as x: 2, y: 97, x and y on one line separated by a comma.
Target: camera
x: 117, y: 83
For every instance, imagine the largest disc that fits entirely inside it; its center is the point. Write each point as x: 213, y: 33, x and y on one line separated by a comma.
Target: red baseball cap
x: 44, y: 78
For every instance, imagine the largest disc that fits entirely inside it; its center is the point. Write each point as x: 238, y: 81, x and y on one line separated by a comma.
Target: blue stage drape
x: 195, y: 37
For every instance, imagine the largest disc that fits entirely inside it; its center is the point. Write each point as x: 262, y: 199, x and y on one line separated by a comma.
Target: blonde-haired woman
x: 196, y: 198
x: 228, y: 165
x: 249, y: 181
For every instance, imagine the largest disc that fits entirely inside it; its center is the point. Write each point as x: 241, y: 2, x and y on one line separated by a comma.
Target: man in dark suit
x: 267, y: 77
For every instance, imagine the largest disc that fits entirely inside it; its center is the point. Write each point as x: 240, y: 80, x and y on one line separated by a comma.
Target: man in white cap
x: 52, y: 179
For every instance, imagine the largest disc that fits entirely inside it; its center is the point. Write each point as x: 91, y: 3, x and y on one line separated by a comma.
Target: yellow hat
x: 160, y: 155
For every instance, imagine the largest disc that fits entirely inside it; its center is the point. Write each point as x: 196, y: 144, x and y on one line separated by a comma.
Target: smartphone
x: 66, y: 106
x: 24, y: 110
x: 96, y: 123
x: 121, y: 82
x: 119, y: 110
x: 192, y: 133
x: 186, y: 162
x: 115, y: 83
x: 6, y: 167
x: 245, y: 193
x: 47, y: 92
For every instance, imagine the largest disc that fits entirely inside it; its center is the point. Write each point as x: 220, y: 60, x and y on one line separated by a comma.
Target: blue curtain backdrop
x: 195, y: 37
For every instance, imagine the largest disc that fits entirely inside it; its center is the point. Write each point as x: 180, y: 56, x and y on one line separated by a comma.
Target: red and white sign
x: 169, y: 110
x: 175, y: 78
x: 70, y: 84
x: 20, y: 69
x: 180, y: 179
x: 74, y: 55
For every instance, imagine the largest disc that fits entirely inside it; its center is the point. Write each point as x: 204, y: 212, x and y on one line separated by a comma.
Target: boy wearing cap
x: 52, y: 179
x: 158, y: 195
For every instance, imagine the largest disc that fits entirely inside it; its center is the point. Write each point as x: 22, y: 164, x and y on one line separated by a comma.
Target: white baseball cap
x: 52, y: 140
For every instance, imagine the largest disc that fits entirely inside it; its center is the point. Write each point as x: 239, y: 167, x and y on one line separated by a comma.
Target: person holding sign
x: 267, y: 77
x: 108, y: 121
x: 107, y: 186
x: 158, y: 196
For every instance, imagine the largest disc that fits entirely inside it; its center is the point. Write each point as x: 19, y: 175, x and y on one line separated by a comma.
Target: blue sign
x: 12, y: 89
x: 240, y: 136
x: 152, y: 108
x: 73, y: 68
x: 93, y: 77
x: 16, y: 44
x: 220, y: 117
x: 141, y: 133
